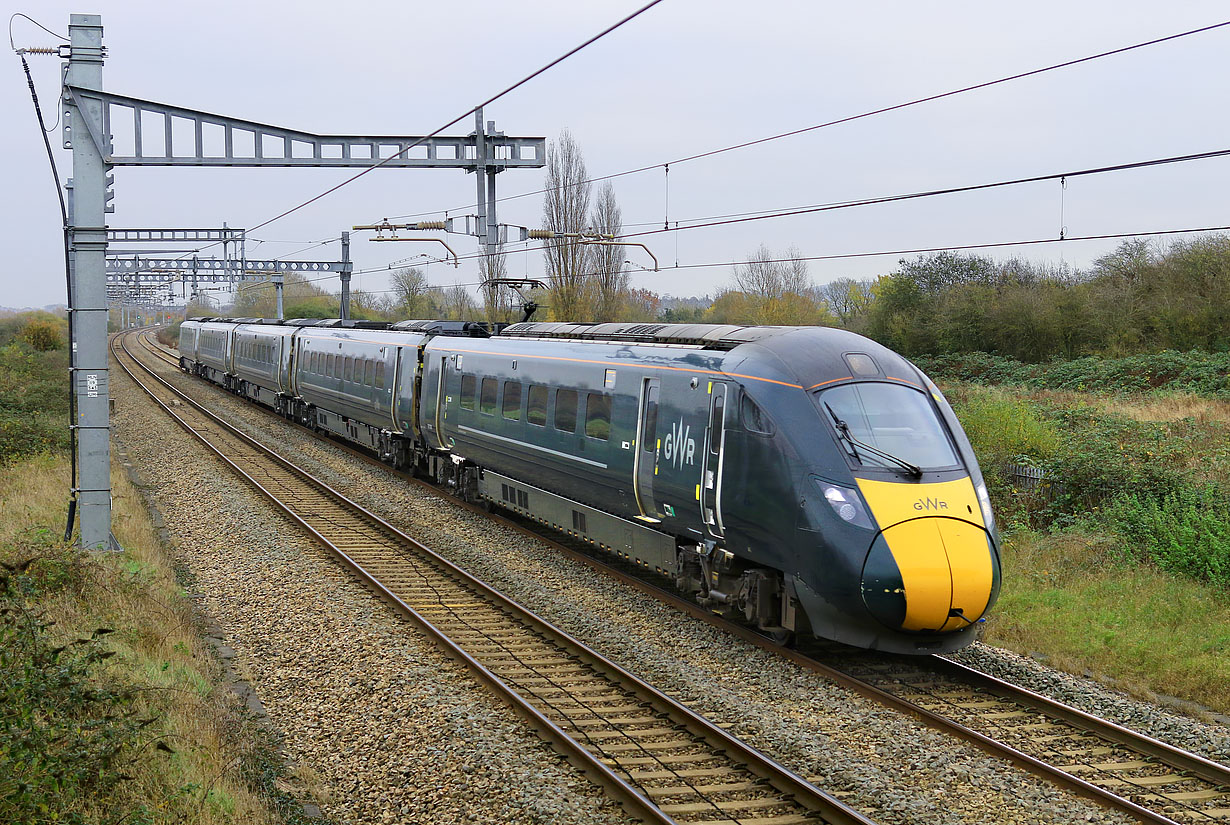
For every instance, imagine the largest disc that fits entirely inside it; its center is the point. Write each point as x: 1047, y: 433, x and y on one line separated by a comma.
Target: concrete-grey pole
x: 344, y: 312
x: 480, y: 179
x: 88, y: 233
x: 278, y: 283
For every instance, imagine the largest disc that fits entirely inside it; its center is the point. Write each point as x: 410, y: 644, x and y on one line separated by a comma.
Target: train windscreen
x: 890, y: 418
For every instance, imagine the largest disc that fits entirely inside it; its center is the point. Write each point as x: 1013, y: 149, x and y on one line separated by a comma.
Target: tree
x: 775, y: 291
x: 565, y: 209
x: 458, y: 304
x: 610, y: 278
x: 846, y: 298
x: 941, y: 270
x: 411, y: 292
x: 639, y: 305
x: 497, y: 303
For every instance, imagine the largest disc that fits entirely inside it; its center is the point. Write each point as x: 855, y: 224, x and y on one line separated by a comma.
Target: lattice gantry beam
x: 121, y: 266
x: 174, y: 235
x: 139, y: 132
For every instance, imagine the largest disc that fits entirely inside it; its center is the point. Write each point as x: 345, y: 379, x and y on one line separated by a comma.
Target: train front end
x: 909, y: 557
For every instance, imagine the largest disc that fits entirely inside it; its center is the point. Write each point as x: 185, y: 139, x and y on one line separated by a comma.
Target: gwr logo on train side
x: 930, y: 504
x: 679, y: 447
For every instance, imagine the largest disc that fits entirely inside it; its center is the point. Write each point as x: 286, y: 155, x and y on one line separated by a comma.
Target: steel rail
x: 807, y: 796
x: 1181, y: 760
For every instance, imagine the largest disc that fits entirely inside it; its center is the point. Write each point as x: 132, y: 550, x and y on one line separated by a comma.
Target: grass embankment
x: 112, y: 708
x: 1119, y: 562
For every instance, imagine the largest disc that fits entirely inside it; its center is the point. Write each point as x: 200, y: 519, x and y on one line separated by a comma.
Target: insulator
x: 429, y: 225
x: 541, y: 234
x: 52, y: 50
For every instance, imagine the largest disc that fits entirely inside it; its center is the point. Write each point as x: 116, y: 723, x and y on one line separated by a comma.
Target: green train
x: 804, y: 478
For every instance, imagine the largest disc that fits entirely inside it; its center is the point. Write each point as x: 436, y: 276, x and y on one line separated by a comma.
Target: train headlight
x: 846, y: 504
x: 984, y: 502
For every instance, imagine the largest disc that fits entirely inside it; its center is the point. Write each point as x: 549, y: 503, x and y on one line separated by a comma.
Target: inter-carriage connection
x: 806, y: 478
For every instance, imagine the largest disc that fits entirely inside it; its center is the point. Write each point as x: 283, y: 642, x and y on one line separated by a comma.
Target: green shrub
x: 67, y: 732
x: 43, y: 334
x: 1003, y: 428
x: 1198, y: 372
x: 34, y: 401
x: 1186, y: 531
x: 168, y: 334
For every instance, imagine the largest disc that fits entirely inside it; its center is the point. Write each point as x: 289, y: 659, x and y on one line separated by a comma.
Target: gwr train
x: 807, y: 478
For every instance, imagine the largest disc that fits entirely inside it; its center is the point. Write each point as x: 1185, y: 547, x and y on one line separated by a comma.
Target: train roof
x: 707, y: 336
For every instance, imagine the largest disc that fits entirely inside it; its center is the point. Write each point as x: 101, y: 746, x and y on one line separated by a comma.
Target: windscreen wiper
x: 844, y: 430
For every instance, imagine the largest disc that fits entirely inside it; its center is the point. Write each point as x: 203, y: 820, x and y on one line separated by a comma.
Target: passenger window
x: 329, y: 365
x: 536, y: 412
x: 566, y: 410
x: 512, y: 400
x: 754, y: 418
x: 380, y: 375
x: 468, y: 386
x: 367, y: 372
x: 349, y: 369
x: 487, y: 402
x: 598, y: 416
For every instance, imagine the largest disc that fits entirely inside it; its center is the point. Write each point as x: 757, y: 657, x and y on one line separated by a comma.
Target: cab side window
x: 754, y: 418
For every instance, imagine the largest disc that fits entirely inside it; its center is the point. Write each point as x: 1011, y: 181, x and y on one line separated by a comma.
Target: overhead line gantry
x: 167, y: 135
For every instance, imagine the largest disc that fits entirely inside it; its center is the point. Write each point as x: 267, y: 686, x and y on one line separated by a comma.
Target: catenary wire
x: 851, y: 118
x: 465, y: 114
x: 1217, y: 153
x: 855, y: 255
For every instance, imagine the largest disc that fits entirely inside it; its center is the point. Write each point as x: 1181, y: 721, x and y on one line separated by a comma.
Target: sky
x: 685, y: 77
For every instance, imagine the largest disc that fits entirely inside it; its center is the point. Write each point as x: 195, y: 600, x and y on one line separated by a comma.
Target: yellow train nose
x: 932, y: 568
x: 946, y: 569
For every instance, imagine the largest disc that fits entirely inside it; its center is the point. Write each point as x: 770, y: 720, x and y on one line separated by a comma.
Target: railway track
x: 1115, y: 766
x: 660, y: 761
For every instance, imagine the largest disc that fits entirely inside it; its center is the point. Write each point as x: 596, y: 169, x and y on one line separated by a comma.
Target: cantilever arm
x: 456, y: 262
x: 626, y: 243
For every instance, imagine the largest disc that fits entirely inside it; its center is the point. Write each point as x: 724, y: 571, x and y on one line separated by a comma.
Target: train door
x: 446, y: 361
x: 711, y: 472
x: 645, y: 465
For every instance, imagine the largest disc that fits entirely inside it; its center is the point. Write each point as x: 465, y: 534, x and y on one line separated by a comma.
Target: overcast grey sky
x: 685, y: 77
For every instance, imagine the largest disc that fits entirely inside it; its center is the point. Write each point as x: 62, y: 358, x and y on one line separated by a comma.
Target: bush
x: 1198, y: 372
x: 168, y: 335
x: 43, y: 334
x: 1186, y: 531
x: 1004, y: 430
x: 67, y: 732
x: 34, y: 403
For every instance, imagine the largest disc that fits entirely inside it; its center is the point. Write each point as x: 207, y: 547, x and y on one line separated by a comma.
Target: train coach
x: 805, y: 478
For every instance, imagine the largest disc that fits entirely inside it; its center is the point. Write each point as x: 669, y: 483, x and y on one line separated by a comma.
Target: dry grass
x: 159, y: 652
x: 1067, y: 598
x: 1168, y: 408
